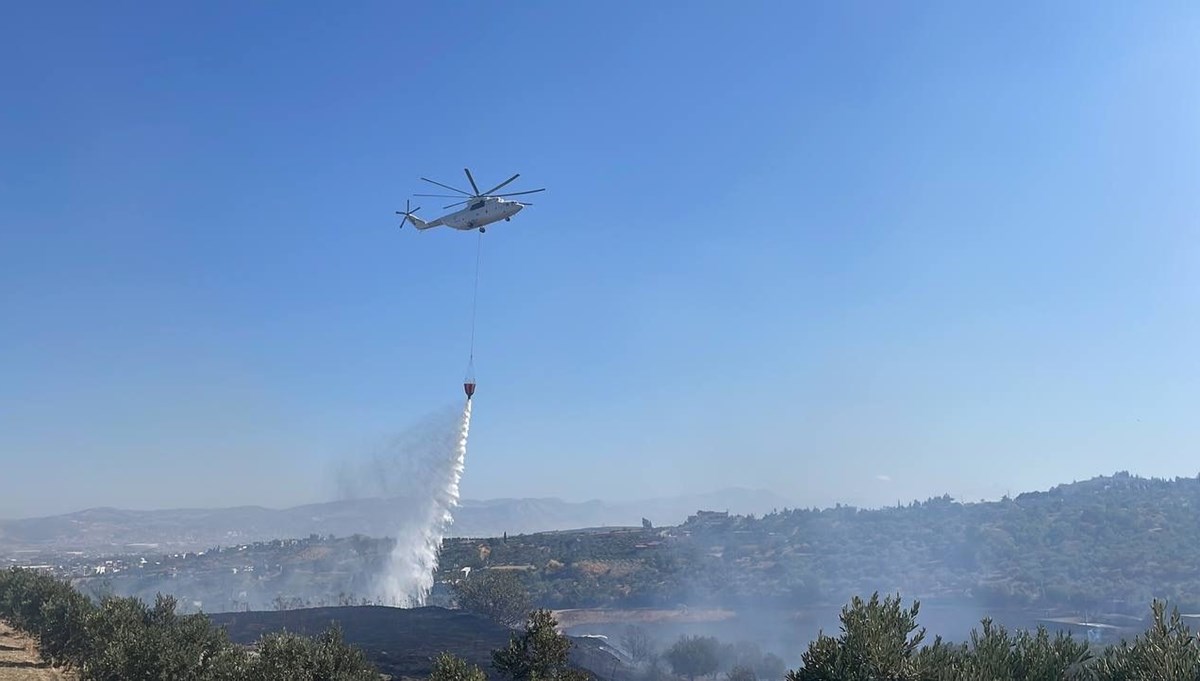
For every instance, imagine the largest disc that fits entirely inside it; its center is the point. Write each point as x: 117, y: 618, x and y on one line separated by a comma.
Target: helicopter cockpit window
x: 477, y: 205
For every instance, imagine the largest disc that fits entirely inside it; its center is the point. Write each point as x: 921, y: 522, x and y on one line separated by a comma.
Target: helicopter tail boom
x: 421, y: 224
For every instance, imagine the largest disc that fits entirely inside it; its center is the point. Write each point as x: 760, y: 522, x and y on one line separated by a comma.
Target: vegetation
x: 539, y: 653
x: 498, y: 595
x: 448, y: 667
x: 1112, y: 543
x: 122, y: 638
x: 881, y: 640
x: 638, y: 644
x: 693, y: 656
x: 700, y: 656
x: 741, y: 674
x: 1169, y: 650
x: 748, y: 657
x: 283, y: 656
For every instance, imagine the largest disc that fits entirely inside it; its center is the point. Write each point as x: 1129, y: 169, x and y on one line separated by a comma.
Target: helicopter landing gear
x: 482, y: 230
x: 508, y: 219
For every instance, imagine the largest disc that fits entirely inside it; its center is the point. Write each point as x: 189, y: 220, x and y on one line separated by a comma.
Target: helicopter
x: 482, y: 208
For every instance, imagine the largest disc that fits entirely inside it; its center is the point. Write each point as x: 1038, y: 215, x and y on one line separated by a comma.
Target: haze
x: 853, y: 253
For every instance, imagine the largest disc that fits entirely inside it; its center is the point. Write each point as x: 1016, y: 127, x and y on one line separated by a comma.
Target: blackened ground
x: 403, y: 642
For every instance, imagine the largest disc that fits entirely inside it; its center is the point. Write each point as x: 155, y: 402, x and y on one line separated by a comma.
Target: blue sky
x: 851, y: 252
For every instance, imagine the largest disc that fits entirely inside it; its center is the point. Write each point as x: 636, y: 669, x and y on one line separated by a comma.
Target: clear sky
x: 857, y: 252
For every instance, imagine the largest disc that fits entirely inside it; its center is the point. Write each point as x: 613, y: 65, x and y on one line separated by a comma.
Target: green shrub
x: 122, y: 638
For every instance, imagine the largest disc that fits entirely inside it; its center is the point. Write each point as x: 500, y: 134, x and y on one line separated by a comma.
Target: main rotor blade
x: 468, y: 172
x: 446, y: 186
x: 531, y: 191
x: 456, y: 204
x: 441, y: 196
x: 493, y: 189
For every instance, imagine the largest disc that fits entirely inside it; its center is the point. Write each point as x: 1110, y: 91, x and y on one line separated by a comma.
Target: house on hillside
x: 708, y: 520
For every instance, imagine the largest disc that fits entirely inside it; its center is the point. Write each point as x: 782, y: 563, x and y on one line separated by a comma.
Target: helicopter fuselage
x: 480, y: 213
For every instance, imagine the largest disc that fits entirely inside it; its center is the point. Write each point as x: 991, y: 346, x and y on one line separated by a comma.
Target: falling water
x: 408, y: 578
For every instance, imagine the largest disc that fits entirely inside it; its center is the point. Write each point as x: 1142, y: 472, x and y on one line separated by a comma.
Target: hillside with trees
x: 1111, y: 543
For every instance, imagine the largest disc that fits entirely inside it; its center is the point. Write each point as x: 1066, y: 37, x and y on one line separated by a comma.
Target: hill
x: 1111, y: 543
x: 1106, y: 545
x: 113, y: 530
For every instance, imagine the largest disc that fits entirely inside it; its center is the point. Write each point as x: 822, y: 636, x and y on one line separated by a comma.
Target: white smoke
x: 408, y: 577
x: 406, y: 465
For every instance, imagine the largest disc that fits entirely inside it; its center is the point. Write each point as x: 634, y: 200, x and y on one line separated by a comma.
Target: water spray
x: 409, y: 576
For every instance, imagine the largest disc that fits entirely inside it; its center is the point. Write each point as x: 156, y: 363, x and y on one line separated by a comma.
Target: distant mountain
x: 112, y: 529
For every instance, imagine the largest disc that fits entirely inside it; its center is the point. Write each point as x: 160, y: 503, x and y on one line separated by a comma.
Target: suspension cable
x: 475, y: 295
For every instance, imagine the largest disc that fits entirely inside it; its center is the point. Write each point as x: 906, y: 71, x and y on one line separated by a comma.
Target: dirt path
x: 19, y: 659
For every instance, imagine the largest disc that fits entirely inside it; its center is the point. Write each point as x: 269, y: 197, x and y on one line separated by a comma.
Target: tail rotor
x: 408, y: 213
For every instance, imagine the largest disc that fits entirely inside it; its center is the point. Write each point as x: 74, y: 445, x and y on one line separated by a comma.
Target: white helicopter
x: 482, y: 208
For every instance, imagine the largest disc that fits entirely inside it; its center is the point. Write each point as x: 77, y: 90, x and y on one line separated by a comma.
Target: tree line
x: 122, y: 639
x: 880, y: 640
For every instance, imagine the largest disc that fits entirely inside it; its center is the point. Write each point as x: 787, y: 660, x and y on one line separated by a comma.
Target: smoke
x: 405, y: 466
x: 429, y: 472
